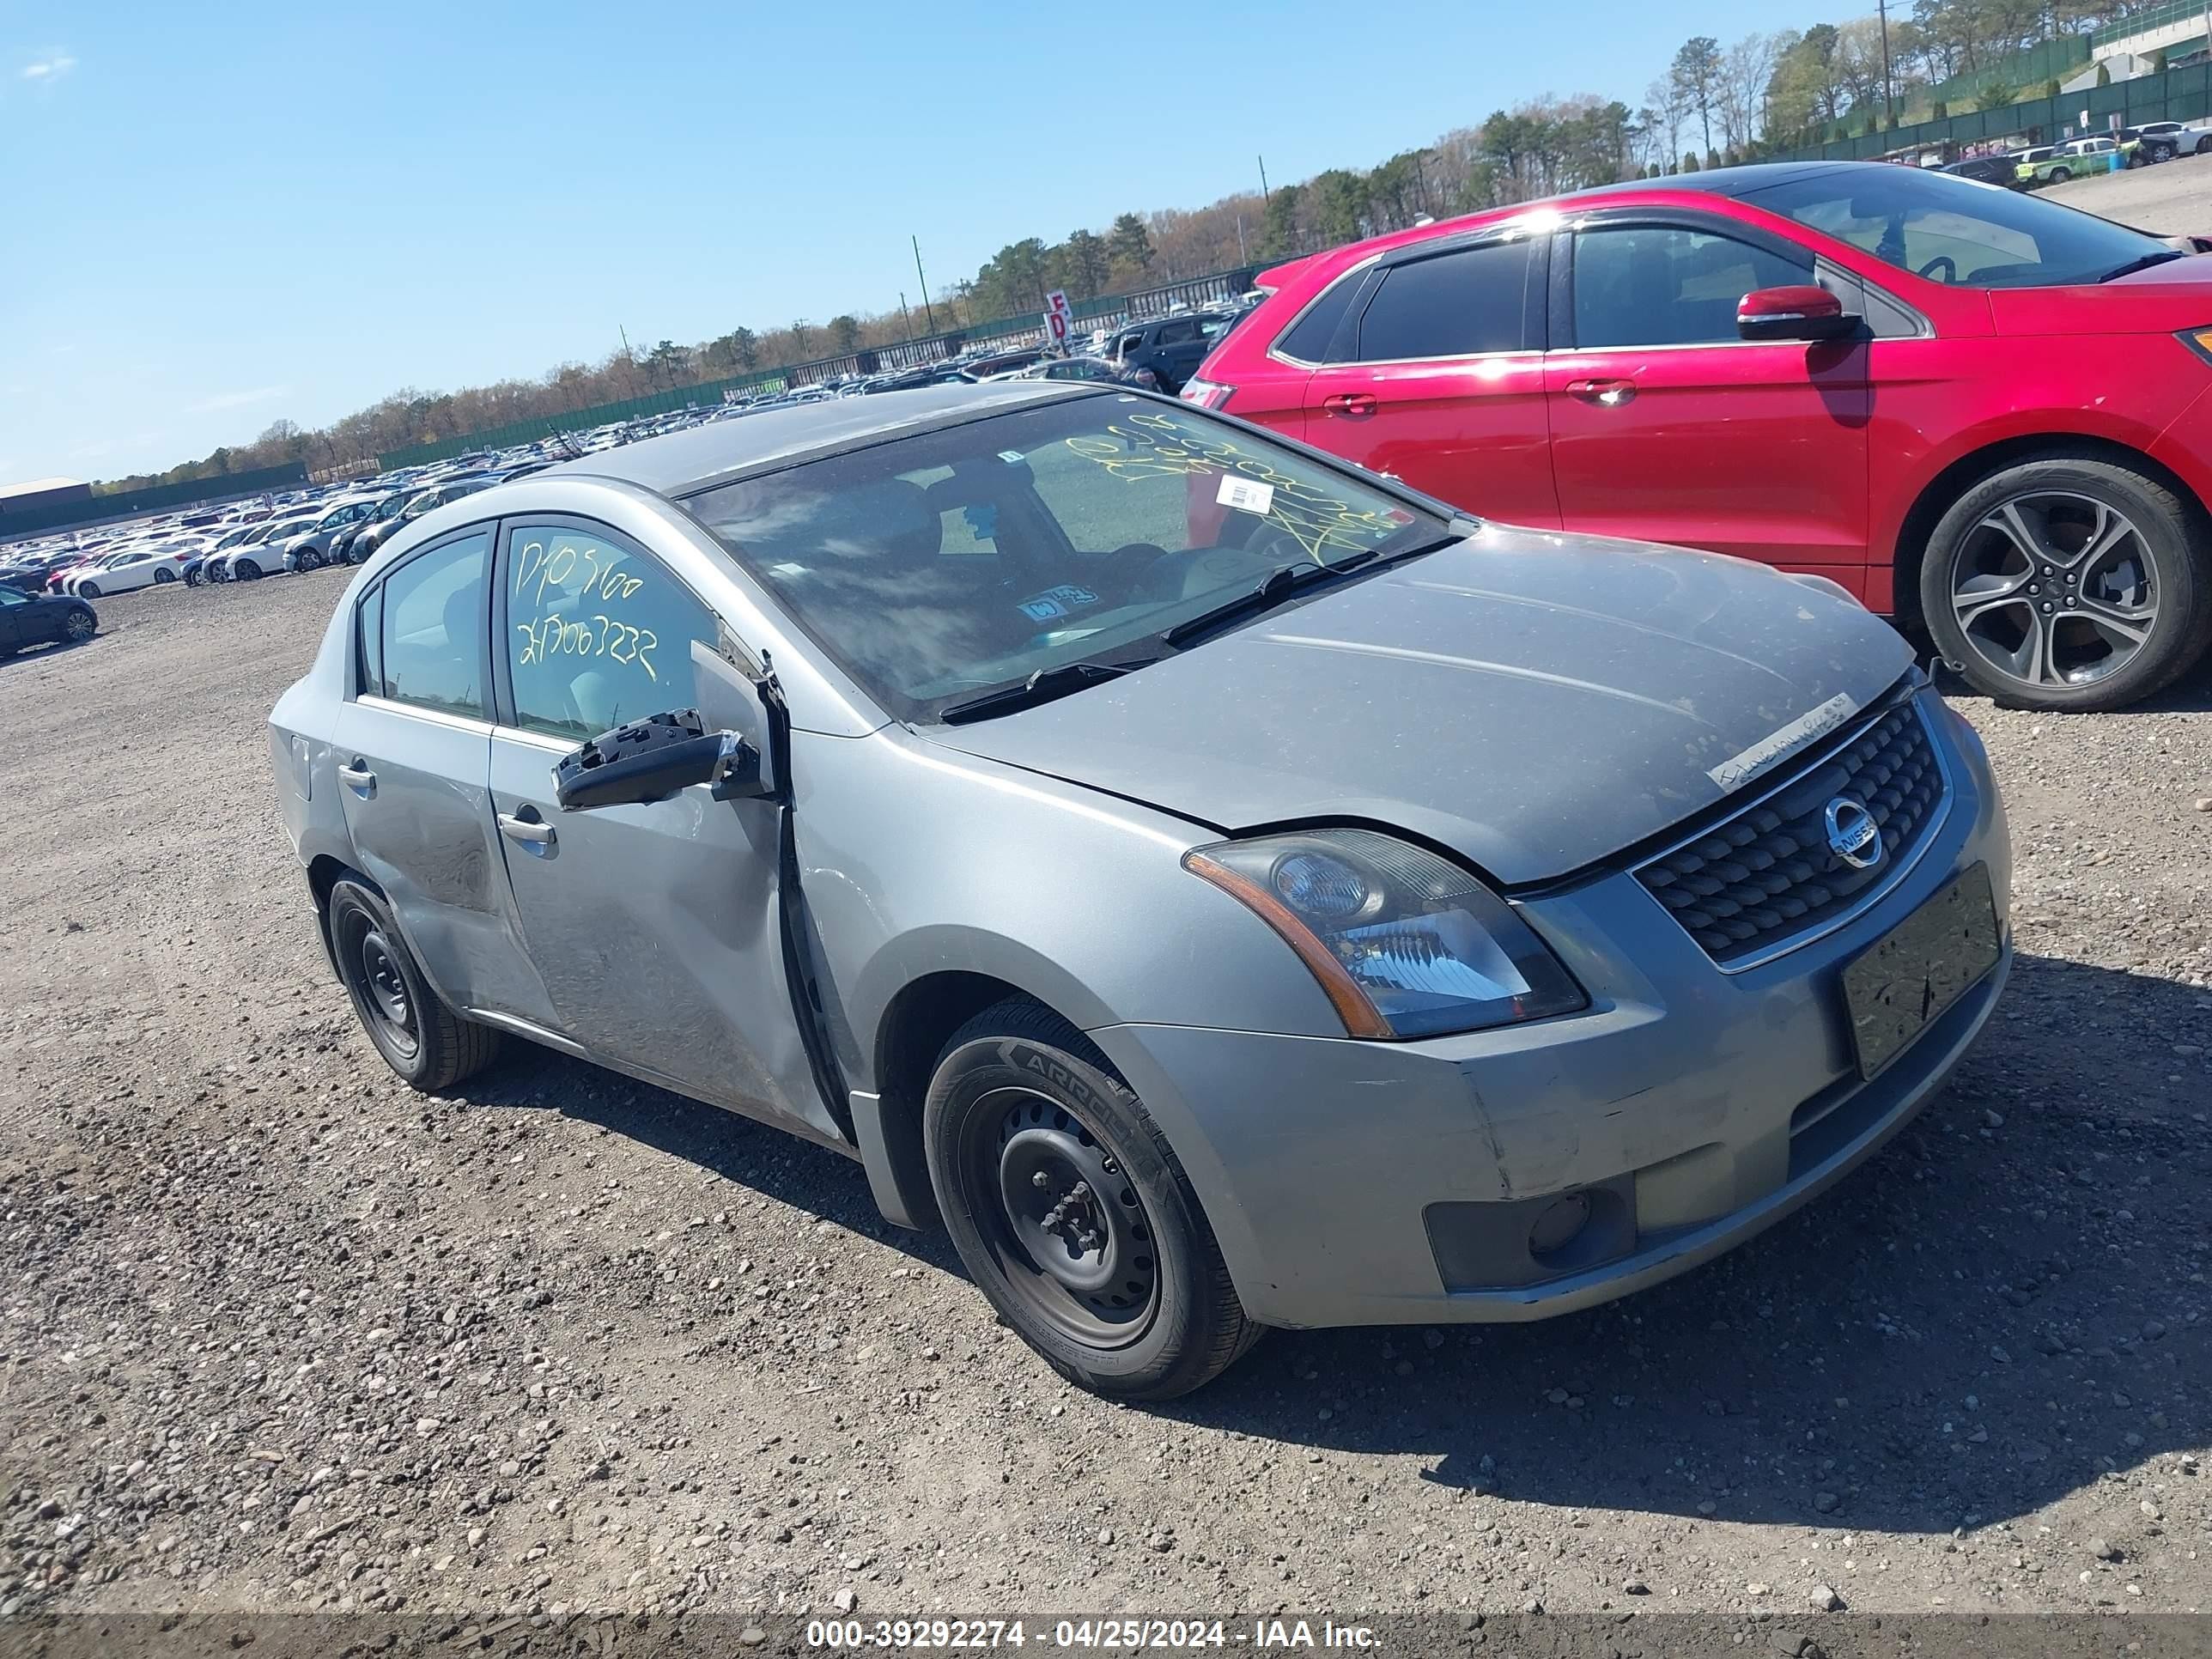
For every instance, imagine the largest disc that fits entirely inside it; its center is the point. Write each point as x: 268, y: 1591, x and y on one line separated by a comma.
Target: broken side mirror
x: 649, y: 760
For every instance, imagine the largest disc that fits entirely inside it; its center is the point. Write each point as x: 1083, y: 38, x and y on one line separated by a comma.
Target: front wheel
x: 1071, y: 1213
x: 192, y: 577
x: 161, y: 577
x: 245, y: 570
x: 87, y: 590
x: 425, y: 1042
x: 2068, y: 584
x: 80, y: 626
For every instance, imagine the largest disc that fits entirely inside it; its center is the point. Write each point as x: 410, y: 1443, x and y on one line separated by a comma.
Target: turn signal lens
x: 2198, y: 340
x: 1206, y: 394
x: 1404, y: 944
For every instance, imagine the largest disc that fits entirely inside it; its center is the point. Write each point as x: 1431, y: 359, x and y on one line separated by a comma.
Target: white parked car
x: 258, y: 556
x: 147, y: 566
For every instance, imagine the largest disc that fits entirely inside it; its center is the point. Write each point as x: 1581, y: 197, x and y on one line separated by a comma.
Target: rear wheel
x: 1071, y: 1213
x: 162, y: 576
x: 2067, y: 583
x: 425, y: 1042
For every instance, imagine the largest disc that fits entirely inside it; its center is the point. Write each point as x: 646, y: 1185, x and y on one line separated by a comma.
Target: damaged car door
x: 658, y: 927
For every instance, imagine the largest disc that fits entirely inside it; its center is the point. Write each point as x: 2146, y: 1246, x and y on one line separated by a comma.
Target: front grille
x: 1767, y: 875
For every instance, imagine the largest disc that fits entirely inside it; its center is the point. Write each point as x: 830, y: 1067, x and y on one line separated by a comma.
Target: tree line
x: 1712, y: 105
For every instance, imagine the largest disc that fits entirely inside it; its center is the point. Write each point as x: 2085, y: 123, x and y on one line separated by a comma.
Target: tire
x: 80, y: 626
x: 192, y: 578
x: 2114, y: 602
x: 163, y: 577
x: 425, y: 1042
x: 87, y: 590
x: 2059, y: 175
x: 1022, y: 1103
x: 244, y: 570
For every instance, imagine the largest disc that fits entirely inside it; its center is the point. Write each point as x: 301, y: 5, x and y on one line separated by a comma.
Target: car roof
x: 1731, y: 183
x: 681, y: 462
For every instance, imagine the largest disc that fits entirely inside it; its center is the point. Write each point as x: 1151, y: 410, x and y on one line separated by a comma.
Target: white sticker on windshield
x: 1010, y: 456
x: 1245, y: 494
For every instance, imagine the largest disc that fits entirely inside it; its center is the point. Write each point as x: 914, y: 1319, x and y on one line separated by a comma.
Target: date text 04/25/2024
x: 1111, y: 1634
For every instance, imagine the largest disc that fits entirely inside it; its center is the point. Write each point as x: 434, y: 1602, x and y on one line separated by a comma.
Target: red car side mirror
x: 1799, y: 311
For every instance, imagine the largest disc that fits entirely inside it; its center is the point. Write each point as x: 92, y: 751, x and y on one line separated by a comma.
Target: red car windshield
x: 1959, y: 231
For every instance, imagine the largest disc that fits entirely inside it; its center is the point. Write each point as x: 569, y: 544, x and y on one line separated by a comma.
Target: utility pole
x: 924, y: 281
x: 1268, y: 197
x: 904, y: 312
x: 1240, y: 229
x: 1888, y: 84
x: 624, y: 332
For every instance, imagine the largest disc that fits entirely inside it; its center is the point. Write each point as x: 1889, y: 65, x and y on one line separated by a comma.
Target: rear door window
x: 436, y: 628
x: 1470, y: 301
x: 1307, y: 340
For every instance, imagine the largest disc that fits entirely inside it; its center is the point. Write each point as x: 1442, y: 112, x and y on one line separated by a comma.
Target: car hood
x: 1536, y: 702
x: 2162, y: 299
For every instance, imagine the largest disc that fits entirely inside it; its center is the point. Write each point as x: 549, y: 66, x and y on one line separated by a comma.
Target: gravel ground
x: 280, y: 1334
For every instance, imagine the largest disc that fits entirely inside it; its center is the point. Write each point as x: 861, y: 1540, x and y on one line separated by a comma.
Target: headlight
x: 1405, y: 943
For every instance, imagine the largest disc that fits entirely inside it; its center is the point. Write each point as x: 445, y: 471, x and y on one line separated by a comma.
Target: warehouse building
x: 41, y: 493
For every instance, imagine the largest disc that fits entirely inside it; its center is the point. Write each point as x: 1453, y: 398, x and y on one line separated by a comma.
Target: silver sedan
x: 1225, y: 888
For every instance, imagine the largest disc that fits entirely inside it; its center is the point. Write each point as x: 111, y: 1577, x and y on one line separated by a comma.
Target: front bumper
x: 1354, y: 1183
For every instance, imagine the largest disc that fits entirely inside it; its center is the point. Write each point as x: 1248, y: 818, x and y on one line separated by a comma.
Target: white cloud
x: 259, y: 394
x: 52, y: 67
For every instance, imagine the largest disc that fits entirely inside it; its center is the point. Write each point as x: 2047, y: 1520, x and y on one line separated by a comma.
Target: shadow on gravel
x: 752, y: 1155
x: 27, y: 654
x: 2190, y: 695
x: 1981, y: 1319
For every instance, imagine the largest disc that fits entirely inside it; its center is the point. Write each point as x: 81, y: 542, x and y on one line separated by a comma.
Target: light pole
x: 1888, y: 83
x: 924, y: 281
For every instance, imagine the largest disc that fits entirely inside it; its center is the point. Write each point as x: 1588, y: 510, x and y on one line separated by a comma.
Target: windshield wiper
x: 1271, y: 592
x: 2162, y: 256
x: 1283, y: 579
x: 1043, y: 686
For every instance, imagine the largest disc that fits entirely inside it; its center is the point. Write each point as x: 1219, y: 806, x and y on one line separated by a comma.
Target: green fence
x: 2181, y: 94
x: 1194, y: 291
x: 153, y: 498
x: 2035, y: 68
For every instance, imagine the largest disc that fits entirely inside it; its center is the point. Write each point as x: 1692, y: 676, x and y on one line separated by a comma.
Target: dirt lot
x: 279, y: 1334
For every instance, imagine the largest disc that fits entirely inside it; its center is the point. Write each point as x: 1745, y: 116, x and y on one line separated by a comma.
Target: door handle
x: 526, y: 827
x: 1349, y: 403
x: 1607, y: 394
x: 356, y: 776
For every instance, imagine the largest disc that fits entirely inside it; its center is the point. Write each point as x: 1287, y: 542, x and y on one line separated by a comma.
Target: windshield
x: 936, y: 566
x: 1958, y: 230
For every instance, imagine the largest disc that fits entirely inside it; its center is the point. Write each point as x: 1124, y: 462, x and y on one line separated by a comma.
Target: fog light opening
x: 1559, y: 1224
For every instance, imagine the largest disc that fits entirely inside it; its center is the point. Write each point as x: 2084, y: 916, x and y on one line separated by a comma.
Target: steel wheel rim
x: 79, y: 626
x: 2055, y: 590
x: 1077, y: 1249
x: 379, y: 985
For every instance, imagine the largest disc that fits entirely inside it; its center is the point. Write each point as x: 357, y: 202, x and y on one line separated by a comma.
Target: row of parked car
x: 2031, y: 166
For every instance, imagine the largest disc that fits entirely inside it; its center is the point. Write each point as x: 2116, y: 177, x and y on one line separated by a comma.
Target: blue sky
x: 213, y: 216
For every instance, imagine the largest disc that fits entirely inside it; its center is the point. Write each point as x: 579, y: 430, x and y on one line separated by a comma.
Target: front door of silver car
x: 657, y: 925
x: 413, y: 756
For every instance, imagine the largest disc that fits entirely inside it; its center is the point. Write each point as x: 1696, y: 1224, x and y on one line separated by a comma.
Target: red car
x: 1979, y: 412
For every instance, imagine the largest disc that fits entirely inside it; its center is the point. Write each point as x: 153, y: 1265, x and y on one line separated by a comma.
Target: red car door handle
x: 1349, y: 403
x: 1607, y: 394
